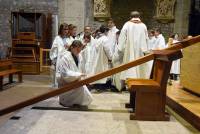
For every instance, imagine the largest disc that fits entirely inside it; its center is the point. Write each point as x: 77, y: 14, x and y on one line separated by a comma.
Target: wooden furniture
x: 44, y: 58
x: 30, y: 32
x: 75, y: 84
x: 148, y: 96
x: 6, y: 68
x: 190, y: 69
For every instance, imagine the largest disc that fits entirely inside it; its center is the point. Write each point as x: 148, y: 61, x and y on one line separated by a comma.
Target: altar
x: 190, y: 69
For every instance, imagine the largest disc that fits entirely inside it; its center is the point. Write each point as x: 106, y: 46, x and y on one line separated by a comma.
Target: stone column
x: 182, y: 11
x: 72, y: 12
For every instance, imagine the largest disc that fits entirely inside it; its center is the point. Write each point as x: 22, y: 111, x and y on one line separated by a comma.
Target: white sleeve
x: 144, y: 46
x: 54, y: 50
x: 70, y: 76
x: 65, y: 72
x: 82, y: 61
x: 122, y: 39
x: 117, y: 56
x: 107, y: 50
x: 162, y: 43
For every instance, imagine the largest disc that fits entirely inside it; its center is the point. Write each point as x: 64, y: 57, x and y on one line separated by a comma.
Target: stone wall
x: 182, y: 10
x: 120, y: 12
x: 72, y: 12
x: 80, y: 13
x: 8, y: 6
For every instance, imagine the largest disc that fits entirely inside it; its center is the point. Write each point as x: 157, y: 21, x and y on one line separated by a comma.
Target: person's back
x: 103, y: 54
x: 136, y: 37
x: 132, y: 44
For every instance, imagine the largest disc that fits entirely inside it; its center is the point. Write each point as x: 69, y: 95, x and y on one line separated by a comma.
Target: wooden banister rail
x: 96, y: 77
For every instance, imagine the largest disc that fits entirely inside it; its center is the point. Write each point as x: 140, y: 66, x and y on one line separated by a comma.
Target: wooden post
x: 41, y: 59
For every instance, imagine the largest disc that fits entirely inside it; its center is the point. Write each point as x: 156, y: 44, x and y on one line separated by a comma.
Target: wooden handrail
x: 76, y: 84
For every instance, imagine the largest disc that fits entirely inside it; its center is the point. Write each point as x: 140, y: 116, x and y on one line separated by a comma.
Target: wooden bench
x: 148, y: 96
x: 6, y: 68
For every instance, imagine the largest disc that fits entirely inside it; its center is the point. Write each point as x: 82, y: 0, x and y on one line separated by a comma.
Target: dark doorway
x: 194, y: 18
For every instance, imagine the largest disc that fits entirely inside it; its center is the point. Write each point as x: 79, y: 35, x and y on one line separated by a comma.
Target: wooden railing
x: 96, y: 77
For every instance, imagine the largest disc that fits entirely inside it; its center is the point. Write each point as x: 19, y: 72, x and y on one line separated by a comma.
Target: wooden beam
x: 96, y: 77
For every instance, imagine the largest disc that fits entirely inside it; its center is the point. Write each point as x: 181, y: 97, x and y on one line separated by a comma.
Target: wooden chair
x: 148, y: 96
x: 7, y: 69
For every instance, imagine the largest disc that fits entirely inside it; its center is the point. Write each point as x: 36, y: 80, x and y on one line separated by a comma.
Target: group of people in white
x: 79, y: 56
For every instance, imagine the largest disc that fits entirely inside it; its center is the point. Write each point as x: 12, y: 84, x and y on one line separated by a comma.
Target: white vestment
x: 175, y: 68
x: 160, y: 42
x: 68, y: 41
x: 151, y: 42
x: 116, y: 77
x: 112, y: 38
x: 103, y: 54
x: 81, y: 36
x: 67, y: 71
x: 88, y: 57
x: 56, y: 48
x: 132, y: 43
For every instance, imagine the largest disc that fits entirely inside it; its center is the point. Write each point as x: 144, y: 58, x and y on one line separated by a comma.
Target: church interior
x: 30, y: 105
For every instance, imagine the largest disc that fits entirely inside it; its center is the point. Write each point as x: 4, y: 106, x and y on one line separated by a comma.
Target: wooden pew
x: 148, y: 96
x: 7, y: 69
x: 74, y: 85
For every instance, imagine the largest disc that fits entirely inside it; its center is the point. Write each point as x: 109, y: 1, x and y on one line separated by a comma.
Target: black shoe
x: 114, y: 89
x: 124, y: 89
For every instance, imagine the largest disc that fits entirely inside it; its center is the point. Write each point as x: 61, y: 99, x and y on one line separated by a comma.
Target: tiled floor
x: 106, y: 114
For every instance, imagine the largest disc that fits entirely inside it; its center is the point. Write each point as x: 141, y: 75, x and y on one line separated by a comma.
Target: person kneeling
x: 68, y: 71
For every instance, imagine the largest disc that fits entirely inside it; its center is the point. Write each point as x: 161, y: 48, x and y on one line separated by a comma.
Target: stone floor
x: 106, y: 115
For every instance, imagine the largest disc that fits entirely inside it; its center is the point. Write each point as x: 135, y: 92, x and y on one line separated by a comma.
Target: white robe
x: 56, y: 48
x: 87, y: 58
x: 175, y: 68
x: 151, y: 43
x: 160, y: 42
x: 68, y: 41
x: 67, y: 71
x: 81, y: 36
x: 132, y: 44
x: 112, y: 38
x: 116, y: 77
x: 103, y: 54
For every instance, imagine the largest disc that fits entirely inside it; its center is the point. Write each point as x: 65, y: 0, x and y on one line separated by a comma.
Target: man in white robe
x: 116, y: 78
x: 175, y: 68
x: 68, y: 71
x: 151, y: 44
x: 88, y: 55
x: 103, y: 54
x: 151, y: 40
x: 68, y: 41
x: 112, y: 34
x: 56, y: 48
x: 160, y: 40
x: 132, y: 45
x: 87, y: 29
